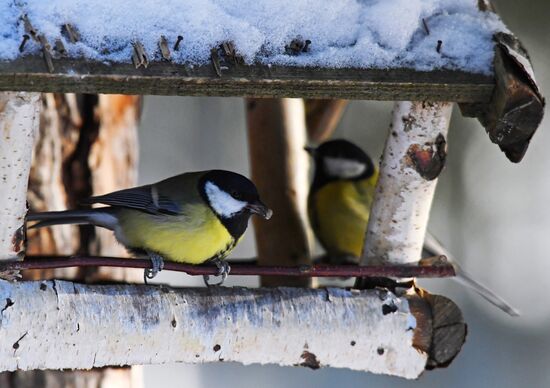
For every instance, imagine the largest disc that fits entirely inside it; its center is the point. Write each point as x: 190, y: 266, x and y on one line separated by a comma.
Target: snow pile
x: 344, y: 33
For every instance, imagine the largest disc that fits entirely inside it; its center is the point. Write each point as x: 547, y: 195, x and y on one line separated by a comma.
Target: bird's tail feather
x: 433, y: 247
x: 104, y: 217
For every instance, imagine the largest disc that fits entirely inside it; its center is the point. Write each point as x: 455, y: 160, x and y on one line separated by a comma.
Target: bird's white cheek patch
x: 222, y: 203
x: 343, y: 168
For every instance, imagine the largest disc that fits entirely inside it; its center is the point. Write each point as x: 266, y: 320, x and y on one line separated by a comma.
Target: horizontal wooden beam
x: 164, y: 78
x: 64, y: 325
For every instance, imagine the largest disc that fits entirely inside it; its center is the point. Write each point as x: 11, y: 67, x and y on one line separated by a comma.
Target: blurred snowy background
x: 493, y: 215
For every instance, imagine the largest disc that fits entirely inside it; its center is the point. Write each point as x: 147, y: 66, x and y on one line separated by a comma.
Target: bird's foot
x: 157, y: 263
x: 223, y: 270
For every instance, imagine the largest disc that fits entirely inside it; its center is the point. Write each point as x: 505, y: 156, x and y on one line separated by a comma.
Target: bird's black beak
x: 260, y: 209
x: 310, y: 150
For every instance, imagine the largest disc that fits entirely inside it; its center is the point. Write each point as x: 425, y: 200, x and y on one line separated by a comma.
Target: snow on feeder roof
x: 347, y: 33
x: 437, y: 50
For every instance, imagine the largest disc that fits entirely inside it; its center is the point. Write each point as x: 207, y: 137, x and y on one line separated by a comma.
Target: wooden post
x: 414, y: 156
x: 322, y: 118
x: 18, y: 128
x: 113, y: 162
x: 279, y: 165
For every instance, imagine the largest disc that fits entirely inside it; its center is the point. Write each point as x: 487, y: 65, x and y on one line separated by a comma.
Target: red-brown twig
x: 441, y: 269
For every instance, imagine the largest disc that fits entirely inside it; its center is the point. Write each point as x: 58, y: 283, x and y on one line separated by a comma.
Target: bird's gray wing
x: 144, y: 198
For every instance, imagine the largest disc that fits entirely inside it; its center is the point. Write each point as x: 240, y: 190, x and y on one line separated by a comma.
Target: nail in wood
x: 164, y: 50
x: 139, y: 57
x: 71, y: 33
x: 216, y: 61
x: 23, y: 42
x: 177, y: 44
x: 46, y: 52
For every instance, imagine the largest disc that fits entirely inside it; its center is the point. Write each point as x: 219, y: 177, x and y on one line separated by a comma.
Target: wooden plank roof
x: 30, y: 73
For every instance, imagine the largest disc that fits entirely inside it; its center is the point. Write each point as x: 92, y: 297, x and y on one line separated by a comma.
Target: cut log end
x: 440, y: 330
x: 448, y: 331
x: 517, y: 105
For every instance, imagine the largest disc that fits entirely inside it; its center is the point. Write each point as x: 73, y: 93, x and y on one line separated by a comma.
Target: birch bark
x: 59, y: 324
x: 19, y: 120
x: 413, y: 157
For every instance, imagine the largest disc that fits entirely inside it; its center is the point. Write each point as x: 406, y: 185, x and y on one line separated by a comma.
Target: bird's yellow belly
x: 192, y: 239
x: 341, y: 214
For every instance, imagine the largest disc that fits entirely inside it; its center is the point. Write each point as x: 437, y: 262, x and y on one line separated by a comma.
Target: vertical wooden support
x: 279, y: 165
x: 116, y: 149
x: 19, y: 119
x: 322, y: 118
x: 49, y: 186
x: 414, y: 156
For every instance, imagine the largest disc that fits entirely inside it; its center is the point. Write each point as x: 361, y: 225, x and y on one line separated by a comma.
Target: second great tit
x: 339, y: 203
x: 340, y: 198
x: 189, y: 218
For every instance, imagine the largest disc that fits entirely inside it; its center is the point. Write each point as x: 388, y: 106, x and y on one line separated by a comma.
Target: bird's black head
x: 233, y: 197
x: 340, y: 160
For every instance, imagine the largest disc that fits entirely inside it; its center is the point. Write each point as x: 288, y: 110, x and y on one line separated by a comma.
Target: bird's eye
x: 236, y: 195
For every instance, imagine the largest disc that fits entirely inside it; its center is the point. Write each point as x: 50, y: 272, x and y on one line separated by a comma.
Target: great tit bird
x: 340, y: 198
x: 339, y: 202
x: 189, y: 218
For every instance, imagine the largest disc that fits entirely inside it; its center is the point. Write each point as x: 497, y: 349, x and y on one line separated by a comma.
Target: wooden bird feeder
x: 387, y: 331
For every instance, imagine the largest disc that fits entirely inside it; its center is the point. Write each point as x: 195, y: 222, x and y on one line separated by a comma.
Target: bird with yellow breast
x: 339, y: 203
x: 189, y: 218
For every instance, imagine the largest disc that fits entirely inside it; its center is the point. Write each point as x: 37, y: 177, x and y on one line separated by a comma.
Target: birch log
x: 19, y: 112
x: 279, y: 165
x: 60, y: 324
x: 414, y: 156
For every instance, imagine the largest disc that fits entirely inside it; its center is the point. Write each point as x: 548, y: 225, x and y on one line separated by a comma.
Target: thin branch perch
x: 441, y: 269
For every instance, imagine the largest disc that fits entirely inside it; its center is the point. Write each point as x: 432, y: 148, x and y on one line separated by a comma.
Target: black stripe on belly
x: 224, y: 252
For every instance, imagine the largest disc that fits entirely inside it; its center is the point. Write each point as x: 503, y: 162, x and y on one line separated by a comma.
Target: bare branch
x: 438, y: 267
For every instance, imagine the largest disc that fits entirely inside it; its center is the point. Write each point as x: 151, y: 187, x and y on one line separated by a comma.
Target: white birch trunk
x: 413, y: 157
x: 19, y: 120
x: 60, y: 324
